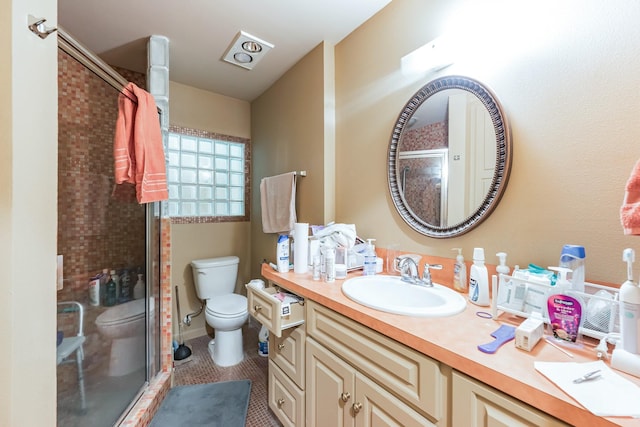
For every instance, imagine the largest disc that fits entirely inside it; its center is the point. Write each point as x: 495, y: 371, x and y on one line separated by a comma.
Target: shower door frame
x: 153, y: 214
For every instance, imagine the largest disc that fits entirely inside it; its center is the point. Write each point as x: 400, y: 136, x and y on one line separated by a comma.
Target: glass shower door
x: 99, y: 233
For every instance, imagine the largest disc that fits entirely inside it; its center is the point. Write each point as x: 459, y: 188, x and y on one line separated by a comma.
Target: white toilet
x: 226, y: 312
x: 124, y: 324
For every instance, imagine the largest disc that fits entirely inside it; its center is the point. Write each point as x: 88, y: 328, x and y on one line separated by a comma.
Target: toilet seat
x: 231, y: 305
x: 122, y: 313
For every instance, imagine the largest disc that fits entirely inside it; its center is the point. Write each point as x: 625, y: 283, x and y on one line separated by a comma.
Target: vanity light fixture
x: 433, y: 56
x: 246, y: 50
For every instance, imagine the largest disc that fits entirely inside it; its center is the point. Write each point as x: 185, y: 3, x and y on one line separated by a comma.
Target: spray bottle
x: 630, y: 307
x: 459, y: 272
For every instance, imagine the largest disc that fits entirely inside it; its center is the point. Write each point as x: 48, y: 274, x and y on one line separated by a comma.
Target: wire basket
x: 599, y: 303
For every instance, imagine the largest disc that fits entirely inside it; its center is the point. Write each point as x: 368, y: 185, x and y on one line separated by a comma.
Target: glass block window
x: 207, y: 176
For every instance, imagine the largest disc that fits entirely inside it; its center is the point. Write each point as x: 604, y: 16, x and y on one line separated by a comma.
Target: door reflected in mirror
x: 449, y: 157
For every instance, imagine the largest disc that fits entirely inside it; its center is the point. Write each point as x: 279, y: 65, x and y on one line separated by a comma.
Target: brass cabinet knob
x: 345, y: 396
x: 280, y: 346
x: 257, y: 307
x: 356, y: 407
x: 280, y: 402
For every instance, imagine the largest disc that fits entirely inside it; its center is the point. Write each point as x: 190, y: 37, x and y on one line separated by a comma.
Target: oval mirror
x: 449, y: 157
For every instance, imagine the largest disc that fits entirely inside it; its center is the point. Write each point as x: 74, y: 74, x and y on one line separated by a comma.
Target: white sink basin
x: 392, y: 295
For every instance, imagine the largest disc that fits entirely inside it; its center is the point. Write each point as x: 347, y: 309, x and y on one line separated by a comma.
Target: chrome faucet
x: 409, y: 271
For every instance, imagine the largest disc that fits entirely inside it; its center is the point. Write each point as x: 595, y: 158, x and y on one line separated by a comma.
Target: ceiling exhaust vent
x: 246, y: 50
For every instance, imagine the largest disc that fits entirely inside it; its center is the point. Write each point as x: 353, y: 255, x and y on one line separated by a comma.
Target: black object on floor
x: 222, y: 404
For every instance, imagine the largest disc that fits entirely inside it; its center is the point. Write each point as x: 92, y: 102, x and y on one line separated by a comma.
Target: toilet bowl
x: 226, y: 315
x: 225, y: 311
x: 124, y: 325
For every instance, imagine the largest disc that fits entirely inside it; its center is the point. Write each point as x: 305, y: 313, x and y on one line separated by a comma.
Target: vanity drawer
x: 286, y: 400
x: 288, y: 353
x: 268, y: 310
x: 404, y: 372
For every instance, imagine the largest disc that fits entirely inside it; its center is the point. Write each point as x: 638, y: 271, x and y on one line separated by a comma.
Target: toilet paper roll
x: 301, y: 247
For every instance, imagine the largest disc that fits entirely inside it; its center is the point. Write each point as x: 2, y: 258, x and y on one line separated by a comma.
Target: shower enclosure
x: 98, y: 232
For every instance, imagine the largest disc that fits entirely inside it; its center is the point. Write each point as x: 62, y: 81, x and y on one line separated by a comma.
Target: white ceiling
x: 200, y: 31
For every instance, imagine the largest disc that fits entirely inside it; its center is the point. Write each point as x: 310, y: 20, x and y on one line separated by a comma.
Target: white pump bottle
x: 459, y: 272
x: 630, y: 307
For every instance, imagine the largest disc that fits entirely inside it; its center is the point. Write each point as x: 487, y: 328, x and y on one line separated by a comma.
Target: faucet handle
x: 426, y: 273
x: 428, y: 266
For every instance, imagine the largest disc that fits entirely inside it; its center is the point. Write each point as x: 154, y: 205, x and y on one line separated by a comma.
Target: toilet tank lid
x: 215, y: 262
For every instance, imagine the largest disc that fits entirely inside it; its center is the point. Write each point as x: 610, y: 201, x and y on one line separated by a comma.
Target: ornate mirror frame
x: 503, y: 156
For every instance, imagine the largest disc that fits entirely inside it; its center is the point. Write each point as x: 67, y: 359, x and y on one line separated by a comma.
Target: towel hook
x: 36, y: 25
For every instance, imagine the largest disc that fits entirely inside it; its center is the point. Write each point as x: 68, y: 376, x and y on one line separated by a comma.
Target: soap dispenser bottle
x: 369, y: 267
x: 630, y: 307
x: 459, y: 272
x: 479, y: 279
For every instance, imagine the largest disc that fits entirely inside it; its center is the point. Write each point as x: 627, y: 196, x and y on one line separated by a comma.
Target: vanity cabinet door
x: 376, y: 407
x: 330, y: 388
x: 338, y: 395
x: 478, y: 405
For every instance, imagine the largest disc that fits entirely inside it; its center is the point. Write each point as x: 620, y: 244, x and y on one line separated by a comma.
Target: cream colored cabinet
x: 358, y: 377
x: 285, y: 322
x: 272, y: 312
x: 338, y: 395
x: 478, y: 405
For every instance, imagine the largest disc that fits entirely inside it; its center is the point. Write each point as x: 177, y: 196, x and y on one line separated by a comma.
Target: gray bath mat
x: 222, y: 404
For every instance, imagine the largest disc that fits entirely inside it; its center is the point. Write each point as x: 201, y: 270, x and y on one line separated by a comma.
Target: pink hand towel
x: 138, y: 151
x: 630, y: 210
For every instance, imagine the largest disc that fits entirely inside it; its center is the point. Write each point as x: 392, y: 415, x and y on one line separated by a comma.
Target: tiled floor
x: 199, y: 368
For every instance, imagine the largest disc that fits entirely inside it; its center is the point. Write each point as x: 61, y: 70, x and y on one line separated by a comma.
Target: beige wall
x: 28, y: 206
x: 203, y: 110
x: 569, y: 85
x: 292, y: 126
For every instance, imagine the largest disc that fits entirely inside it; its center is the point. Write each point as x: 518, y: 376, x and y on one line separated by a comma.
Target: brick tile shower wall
x: 94, y: 231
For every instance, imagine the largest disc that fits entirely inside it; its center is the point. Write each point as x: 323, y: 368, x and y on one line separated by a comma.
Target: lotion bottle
x: 479, y: 279
x: 459, y: 272
x: 630, y: 307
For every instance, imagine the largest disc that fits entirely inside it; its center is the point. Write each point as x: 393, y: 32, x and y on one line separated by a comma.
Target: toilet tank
x: 215, y: 276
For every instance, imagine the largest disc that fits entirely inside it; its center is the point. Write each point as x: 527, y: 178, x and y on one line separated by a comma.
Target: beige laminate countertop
x: 454, y: 340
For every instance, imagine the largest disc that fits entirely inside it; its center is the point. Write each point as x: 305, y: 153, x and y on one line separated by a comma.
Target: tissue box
x: 529, y: 333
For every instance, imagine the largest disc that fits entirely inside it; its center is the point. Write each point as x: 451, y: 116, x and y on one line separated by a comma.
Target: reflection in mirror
x: 449, y: 157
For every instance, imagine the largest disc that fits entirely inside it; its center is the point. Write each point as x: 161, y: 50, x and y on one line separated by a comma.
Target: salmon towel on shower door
x: 137, y: 148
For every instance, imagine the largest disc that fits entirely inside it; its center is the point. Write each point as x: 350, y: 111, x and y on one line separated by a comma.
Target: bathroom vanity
x: 335, y: 362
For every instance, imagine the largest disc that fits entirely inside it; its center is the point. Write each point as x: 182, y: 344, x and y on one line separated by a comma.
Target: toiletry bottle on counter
x: 479, y: 279
x: 459, y: 272
x: 573, y: 257
x: 630, y: 307
x: 369, y: 266
x: 282, y: 253
x: 330, y: 264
